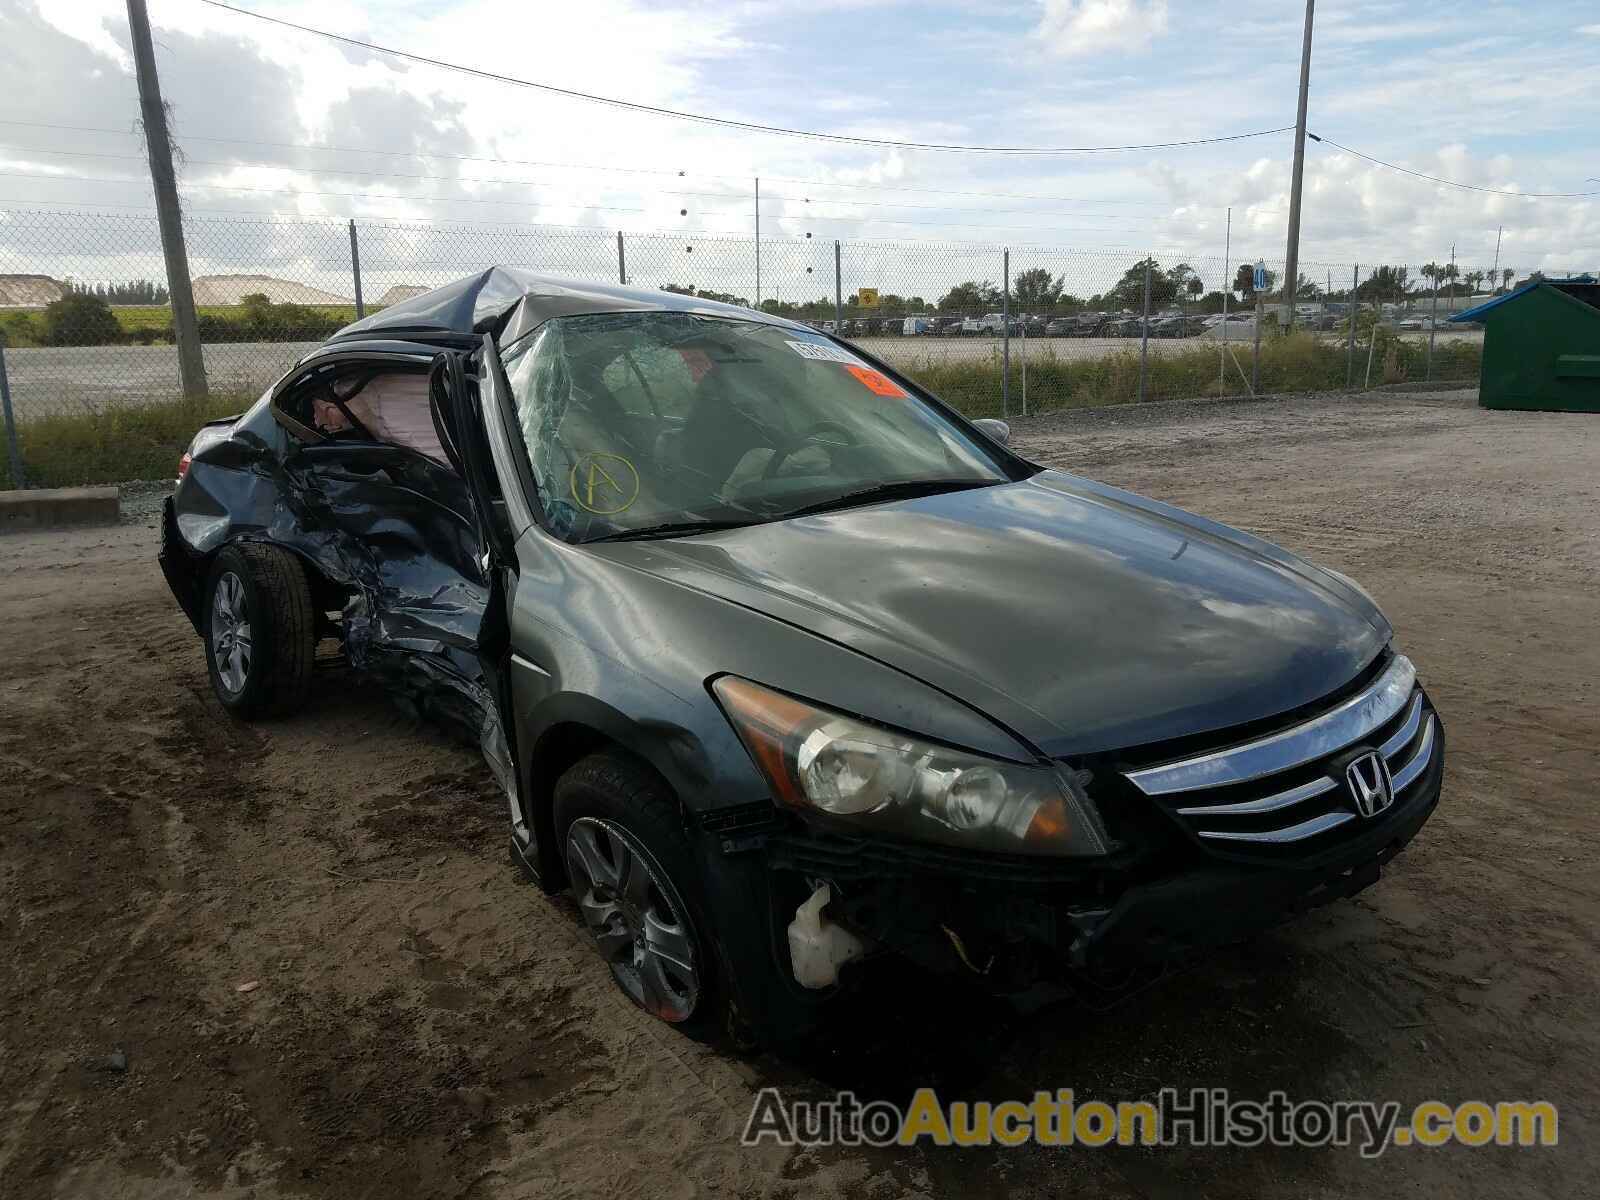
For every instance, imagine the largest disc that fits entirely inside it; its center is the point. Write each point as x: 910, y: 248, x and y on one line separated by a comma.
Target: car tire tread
x: 285, y: 617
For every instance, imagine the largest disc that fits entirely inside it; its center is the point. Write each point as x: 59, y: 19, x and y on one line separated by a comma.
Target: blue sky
x: 1497, y: 94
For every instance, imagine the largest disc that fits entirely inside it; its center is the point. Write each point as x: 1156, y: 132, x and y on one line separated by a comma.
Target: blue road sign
x: 1260, y: 281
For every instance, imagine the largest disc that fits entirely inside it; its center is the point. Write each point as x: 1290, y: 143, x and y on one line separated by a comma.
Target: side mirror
x: 999, y: 430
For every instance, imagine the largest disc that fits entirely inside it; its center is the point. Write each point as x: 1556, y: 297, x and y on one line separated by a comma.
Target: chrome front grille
x: 1288, y: 789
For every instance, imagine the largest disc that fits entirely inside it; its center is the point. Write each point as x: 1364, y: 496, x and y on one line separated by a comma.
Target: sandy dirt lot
x: 421, y: 1023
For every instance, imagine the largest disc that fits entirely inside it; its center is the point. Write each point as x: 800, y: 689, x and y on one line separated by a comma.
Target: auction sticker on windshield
x: 877, y: 382
x: 823, y: 352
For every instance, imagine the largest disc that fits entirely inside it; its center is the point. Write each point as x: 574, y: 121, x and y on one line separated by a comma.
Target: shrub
x: 115, y: 443
x: 20, y: 329
x: 80, y: 320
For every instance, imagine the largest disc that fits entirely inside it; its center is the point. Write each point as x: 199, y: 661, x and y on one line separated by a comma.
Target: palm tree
x: 1508, y: 275
x: 1431, y: 272
x: 1450, y: 272
x: 1474, y: 278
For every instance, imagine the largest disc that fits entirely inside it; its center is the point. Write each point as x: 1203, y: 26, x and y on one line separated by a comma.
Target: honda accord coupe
x: 786, y: 668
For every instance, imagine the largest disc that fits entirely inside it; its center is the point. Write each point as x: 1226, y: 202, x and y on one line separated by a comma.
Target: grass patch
x: 124, y: 441
x: 23, y: 328
x: 1299, y: 362
x: 143, y: 441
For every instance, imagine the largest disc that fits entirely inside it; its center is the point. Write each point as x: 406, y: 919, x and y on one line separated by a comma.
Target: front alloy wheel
x: 638, y: 920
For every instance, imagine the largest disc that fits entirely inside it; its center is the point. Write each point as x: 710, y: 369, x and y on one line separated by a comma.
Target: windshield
x: 638, y: 422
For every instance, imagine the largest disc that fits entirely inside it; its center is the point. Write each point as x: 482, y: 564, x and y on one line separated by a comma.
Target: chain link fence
x: 92, y: 386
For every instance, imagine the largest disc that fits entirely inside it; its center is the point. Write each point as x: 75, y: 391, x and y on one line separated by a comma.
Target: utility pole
x: 191, y: 362
x: 758, y: 241
x: 1494, y: 276
x: 1291, y: 268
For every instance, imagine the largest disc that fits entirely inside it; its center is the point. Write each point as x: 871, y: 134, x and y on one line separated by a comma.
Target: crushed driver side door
x: 476, y: 422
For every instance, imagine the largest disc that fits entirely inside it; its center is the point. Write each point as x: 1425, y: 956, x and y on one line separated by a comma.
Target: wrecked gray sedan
x: 785, y: 667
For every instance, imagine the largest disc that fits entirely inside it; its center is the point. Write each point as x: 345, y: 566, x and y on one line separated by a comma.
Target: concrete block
x: 44, y: 508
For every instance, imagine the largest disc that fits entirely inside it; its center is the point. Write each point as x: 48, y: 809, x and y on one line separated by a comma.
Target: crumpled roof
x: 479, y: 302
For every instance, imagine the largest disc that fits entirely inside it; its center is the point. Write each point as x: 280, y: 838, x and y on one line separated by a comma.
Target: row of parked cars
x: 1088, y: 324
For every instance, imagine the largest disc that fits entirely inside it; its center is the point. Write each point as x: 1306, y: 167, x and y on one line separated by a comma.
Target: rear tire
x: 259, y: 630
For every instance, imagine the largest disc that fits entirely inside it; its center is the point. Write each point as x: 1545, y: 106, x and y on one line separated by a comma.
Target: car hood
x: 1080, y: 617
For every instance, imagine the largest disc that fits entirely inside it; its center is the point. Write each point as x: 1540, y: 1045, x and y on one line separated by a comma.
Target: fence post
x: 355, y: 271
x: 13, y: 453
x: 1255, y: 361
x: 1372, y: 342
x: 1433, y: 322
x: 838, y: 293
x: 622, y: 262
x: 1024, y: 364
x: 1144, y: 331
x: 1350, y: 343
x: 1005, y: 332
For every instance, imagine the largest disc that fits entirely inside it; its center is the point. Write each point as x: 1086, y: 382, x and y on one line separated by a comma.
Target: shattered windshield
x: 645, y: 423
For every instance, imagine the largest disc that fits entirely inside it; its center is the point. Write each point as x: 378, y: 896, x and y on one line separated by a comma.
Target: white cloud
x: 1589, y: 30
x: 1076, y: 27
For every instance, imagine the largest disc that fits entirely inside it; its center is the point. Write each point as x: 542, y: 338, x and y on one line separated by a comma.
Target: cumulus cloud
x: 1076, y: 27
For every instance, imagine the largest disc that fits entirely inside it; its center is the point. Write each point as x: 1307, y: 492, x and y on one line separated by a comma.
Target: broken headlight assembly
x: 876, y: 780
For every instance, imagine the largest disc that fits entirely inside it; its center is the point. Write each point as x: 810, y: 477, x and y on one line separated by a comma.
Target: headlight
x: 876, y: 780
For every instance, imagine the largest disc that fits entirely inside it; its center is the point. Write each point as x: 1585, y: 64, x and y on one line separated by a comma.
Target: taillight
x: 183, y: 464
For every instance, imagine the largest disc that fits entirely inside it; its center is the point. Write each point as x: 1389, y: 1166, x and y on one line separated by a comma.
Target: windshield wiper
x: 669, y: 529
x: 907, y: 489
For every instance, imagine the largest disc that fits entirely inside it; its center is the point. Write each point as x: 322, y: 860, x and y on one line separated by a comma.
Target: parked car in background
x: 1060, y: 327
x: 916, y: 326
x: 948, y: 326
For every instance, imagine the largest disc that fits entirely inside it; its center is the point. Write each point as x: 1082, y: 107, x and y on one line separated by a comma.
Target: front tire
x: 259, y: 630
x: 639, y: 890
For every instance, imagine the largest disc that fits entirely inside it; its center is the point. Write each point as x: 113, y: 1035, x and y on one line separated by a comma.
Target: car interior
x: 371, y: 402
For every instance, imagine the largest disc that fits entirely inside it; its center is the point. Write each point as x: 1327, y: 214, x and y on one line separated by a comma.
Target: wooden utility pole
x: 1291, y: 269
x: 158, y: 142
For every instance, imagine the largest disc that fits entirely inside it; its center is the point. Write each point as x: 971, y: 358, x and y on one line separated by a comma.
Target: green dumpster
x: 1541, y: 347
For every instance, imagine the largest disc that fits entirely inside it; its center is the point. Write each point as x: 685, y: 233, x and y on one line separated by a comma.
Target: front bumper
x: 1100, y: 928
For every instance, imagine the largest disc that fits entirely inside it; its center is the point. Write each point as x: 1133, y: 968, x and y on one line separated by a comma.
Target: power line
x: 734, y: 197
x: 728, y: 122
x: 522, y: 162
x: 408, y: 221
x: 1471, y: 187
x: 219, y: 187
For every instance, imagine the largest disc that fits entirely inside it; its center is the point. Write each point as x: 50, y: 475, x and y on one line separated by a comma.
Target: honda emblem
x: 1370, y: 785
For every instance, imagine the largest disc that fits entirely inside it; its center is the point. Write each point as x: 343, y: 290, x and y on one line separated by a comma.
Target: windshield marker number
x: 822, y: 352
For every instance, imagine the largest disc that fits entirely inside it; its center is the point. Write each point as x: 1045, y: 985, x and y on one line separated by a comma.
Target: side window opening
x: 355, y: 402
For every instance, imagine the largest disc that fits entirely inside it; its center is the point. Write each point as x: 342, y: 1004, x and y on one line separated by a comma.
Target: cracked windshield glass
x: 638, y: 422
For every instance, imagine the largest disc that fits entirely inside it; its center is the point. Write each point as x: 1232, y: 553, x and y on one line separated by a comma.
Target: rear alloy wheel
x: 230, y: 633
x: 639, y: 921
x: 258, y: 625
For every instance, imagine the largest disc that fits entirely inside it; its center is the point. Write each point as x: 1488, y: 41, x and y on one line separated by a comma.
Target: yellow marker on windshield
x: 604, y: 483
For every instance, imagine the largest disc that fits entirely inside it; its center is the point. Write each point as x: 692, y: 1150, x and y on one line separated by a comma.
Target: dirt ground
x: 421, y: 1023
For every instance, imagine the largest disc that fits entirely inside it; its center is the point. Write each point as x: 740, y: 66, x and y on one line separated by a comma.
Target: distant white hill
x: 230, y: 289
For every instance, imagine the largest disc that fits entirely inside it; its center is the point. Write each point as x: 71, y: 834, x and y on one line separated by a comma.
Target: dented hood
x: 1082, y: 618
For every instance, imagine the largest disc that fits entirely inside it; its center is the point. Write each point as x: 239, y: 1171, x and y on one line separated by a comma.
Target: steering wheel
x: 782, y: 453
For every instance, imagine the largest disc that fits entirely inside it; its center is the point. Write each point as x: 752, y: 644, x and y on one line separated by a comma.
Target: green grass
x: 22, y: 327
x: 1297, y: 363
x: 144, y: 441
x: 119, y: 443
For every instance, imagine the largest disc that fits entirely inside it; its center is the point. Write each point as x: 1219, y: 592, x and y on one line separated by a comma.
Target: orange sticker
x: 877, y: 382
